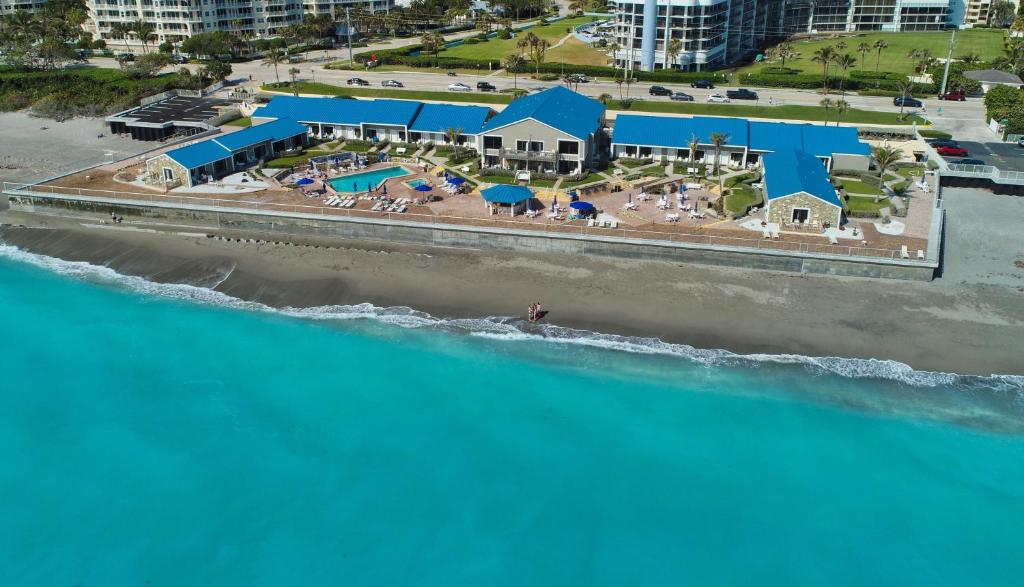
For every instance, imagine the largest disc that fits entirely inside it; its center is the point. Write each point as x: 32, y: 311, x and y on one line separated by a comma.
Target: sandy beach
x: 963, y: 327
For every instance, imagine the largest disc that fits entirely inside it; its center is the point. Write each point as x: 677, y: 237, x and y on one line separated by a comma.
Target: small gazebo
x: 516, y: 197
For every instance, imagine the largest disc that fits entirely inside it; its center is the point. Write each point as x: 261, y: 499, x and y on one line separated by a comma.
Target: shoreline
x: 969, y: 329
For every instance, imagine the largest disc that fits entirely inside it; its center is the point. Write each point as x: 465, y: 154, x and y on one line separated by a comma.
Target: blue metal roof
x: 199, y: 154
x: 664, y: 131
x: 441, y: 117
x: 506, y: 194
x: 275, y: 130
x: 340, y: 111
x: 789, y: 171
x: 558, y: 107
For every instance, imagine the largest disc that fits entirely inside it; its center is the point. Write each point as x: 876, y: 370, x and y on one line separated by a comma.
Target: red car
x: 957, y: 96
x: 947, y: 151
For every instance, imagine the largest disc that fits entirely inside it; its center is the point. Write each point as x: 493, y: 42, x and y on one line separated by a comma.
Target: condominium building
x: 9, y: 6
x: 714, y: 33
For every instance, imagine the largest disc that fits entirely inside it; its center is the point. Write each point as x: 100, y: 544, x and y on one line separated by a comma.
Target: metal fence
x: 548, y: 227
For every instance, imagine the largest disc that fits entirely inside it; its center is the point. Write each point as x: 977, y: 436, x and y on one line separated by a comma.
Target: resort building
x: 374, y: 120
x: 177, y: 20
x: 714, y: 33
x: 11, y: 6
x: 224, y: 154
x: 745, y: 144
x: 798, y: 192
x: 556, y: 130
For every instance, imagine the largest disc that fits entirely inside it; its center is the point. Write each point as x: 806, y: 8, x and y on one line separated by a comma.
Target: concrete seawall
x: 283, y: 225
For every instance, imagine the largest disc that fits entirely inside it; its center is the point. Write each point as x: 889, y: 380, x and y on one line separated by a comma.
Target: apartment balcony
x: 516, y: 154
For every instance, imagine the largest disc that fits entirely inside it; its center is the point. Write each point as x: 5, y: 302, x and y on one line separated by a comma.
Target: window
x: 492, y: 142
x: 800, y: 215
x: 645, y: 152
x: 534, y: 146
x: 569, y: 147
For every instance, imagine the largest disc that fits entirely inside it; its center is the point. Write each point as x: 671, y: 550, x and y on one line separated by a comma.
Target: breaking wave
x: 515, y: 329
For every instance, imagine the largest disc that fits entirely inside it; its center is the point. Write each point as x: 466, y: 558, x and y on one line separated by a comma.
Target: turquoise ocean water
x: 167, y: 435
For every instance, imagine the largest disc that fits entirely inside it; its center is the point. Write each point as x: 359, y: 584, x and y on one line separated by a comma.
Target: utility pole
x: 949, y: 57
x: 348, y: 36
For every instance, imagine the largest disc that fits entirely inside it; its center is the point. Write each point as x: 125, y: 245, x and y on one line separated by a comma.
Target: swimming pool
x: 416, y: 182
x: 367, y: 180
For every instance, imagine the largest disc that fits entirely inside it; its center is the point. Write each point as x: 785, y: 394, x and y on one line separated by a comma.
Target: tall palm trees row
x: 144, y: 31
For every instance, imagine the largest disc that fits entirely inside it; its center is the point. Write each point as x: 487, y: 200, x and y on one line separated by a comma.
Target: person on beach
x: 531, y: 313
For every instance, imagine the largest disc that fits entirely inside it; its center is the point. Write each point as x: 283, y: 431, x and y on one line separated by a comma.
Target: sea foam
x: 516, y: 329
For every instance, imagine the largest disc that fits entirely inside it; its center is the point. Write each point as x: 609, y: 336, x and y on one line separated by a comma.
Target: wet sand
x: 963, y: 328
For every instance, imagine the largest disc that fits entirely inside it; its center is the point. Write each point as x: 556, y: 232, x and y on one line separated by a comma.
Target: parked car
x: 486, y: 87
x: 392, y: 83
x: 660, y: 91
x: 718, y: 99
x: 178, y: 59
x: 967, y: 162
x: 741, y: 94
x: 952, y: 151
x: 126, y: 56
x: 1020, y: 142
x: 578, y: 78
x: 956, y: 95
x: 459, y: 87
x: 907, y: 102
x: 703, y: 84
x: 357, y: 81
x: 681, y: 97
x: 936, y: 143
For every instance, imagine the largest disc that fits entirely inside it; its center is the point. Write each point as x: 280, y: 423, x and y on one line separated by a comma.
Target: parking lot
x: 1005, y: 156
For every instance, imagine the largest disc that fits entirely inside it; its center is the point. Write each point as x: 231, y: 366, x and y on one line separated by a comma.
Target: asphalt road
x: 1005, y: 156
x: 963, y: 119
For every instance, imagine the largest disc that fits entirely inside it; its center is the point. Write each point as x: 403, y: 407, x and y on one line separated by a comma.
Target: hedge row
x: 812, y: 82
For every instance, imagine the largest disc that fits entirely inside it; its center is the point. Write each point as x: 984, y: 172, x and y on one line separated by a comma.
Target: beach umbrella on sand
x: 304, y: 181
x: 554, y: 202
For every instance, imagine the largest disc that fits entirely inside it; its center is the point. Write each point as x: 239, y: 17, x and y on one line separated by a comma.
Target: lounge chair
x: 904, y: 253
x: 920, y: 254
x: 766, y: 233
x: 832, y: 240
x: 590, y: 222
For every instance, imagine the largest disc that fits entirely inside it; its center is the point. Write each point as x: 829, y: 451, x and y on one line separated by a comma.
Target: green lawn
x: 809, y: 113
x: 866, y: 204
x: 498, y: 179
x: 577, y: 52
x: 243, y: 122
x: 594, y: 178
x: 282, y: 162
x: 988, y: 43
x: 497, y: 48
x: 329, y: 90
x: 740, y: 197
x: 853, y: 186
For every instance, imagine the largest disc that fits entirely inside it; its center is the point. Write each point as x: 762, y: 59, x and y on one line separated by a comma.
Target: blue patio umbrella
x: 384, y: 186
x: 304, y: 181
x: 456, y: 181
x: 581, y: 206
x: 423, y: 188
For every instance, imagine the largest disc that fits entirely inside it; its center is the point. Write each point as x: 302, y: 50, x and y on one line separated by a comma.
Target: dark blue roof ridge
x: 557, y: 107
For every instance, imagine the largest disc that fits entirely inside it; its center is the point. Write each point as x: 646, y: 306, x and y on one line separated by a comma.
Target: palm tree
x: 675, y: 47
x: 904, y: 87
x: 693, y: 145
x: 433, y: 43
x: 879, y: 46
x: 514, y: 63
x: 121, y: 30
x: 826, y: 103
x: 824, y: 56
x: 604, y: 98
x: 863, y: 49
x: 618, y: 82
x: 294, y: 72
x: 525, y: 41
x: 840, y: 46
x: 614, y: 48
x: 885, y: 158
x: 970, y: 59
x: 454, y: 133
x: 842, y: 107
x: 537, y: 52
x: 844, y: 62
x: 924, y: 59
x: 785, y: 51
x: 629, y: 81
x: 577, y: 6
x: 718, y: 139
x: 274, y: 57
x: 1000, y: 12
x: 146, y: 32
